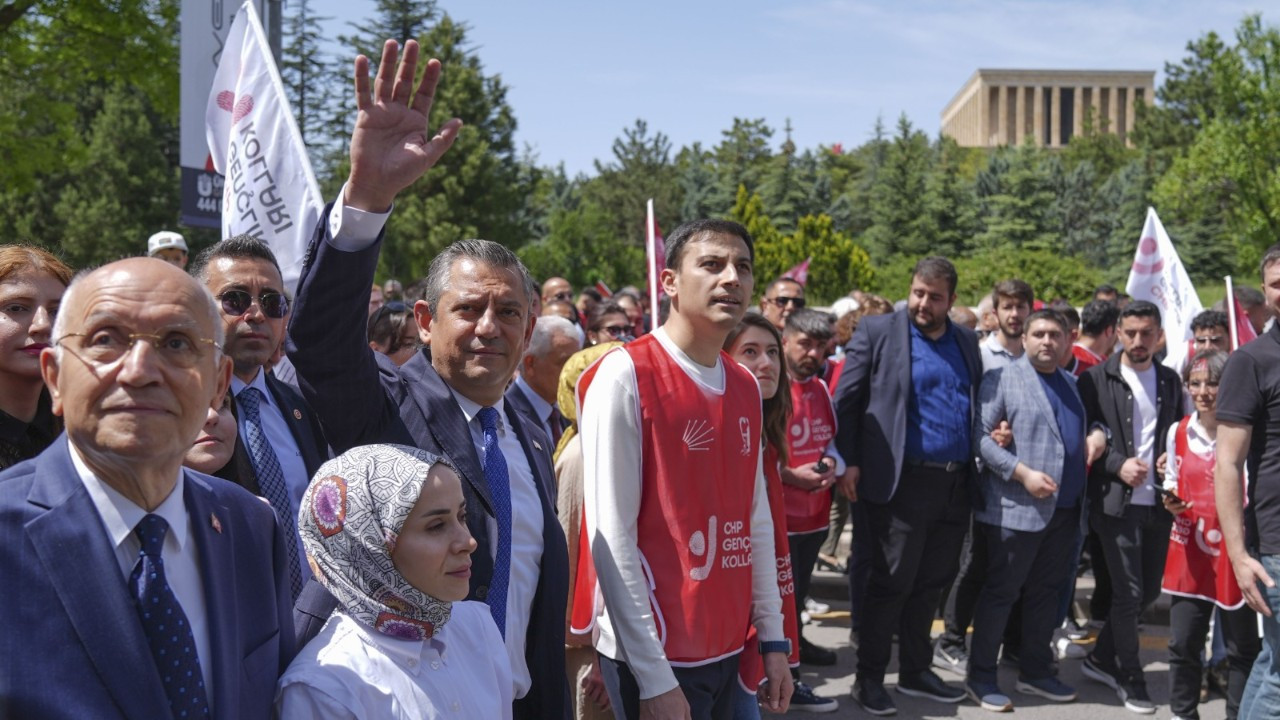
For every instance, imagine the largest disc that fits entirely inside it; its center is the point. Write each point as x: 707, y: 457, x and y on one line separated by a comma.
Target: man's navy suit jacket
x: 71, y: 642
x: 872, y: 394
x: 361, y: 397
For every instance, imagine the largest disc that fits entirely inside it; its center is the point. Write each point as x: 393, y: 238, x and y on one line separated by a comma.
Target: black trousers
x: 708, y: 688
x: 859, y: 563
x: 957, y: 610
x: 1135, y: 546
x: 1188, y: 625
x: 804, y: 554
x: 915, y: 551
x: 1030, y: 565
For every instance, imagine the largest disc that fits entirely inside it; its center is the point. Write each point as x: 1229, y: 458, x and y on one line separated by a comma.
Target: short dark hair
x: 1097, y: 317
x: 595, y: 320
x: 1013, y: 288
x: 1271, y: 256
x: 686, y: 232
x: 1047, y: 314
x: 1141, y: 309
x: 937, y: 268
x: 1209, y: 319
x: 1071, y: 314
x: 1249, y: 297
x: 1105, y: 289
x: 592, y: 293
x: 781, y: 280
x: 236, y: 247
x: 807, y: 321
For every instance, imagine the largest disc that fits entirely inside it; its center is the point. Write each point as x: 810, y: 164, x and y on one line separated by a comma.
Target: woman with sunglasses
x: 608, y: 322
x: 757, y: 345
x: 31, y: 285
x: 393, y: 331
x: 1197, y: 572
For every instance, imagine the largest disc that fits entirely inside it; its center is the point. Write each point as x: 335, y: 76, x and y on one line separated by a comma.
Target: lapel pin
x: 216, y: 523
x: 536, y: 445
x: 297, y: 414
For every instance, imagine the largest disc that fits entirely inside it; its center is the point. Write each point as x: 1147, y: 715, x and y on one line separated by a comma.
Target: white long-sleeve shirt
x: 611, y: 444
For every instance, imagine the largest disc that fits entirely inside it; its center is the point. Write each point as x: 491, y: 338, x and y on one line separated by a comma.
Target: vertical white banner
x: 1158, y: 276
x: 270, y: 191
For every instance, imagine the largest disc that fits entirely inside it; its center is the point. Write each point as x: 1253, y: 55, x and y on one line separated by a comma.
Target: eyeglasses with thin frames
x: 105, y: 348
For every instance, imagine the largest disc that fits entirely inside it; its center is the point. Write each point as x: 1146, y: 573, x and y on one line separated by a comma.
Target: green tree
x: 950, y: 202
x: 742, y: 158
x: 306, y: 71
x: 580, y: 246
x: 641, y: 169
x: 1019, y: 215
x: 838, y: 264
x: 697, y: 180
x: 901, y: 223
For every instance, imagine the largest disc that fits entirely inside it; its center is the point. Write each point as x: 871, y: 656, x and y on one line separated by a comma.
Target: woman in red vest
x: 757, y: 346
x: 1197, y: 572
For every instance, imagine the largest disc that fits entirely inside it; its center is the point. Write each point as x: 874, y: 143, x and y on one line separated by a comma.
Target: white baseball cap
x: 164, y: 240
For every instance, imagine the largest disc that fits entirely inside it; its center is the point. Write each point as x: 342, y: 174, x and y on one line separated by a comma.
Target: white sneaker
x: 813, y: 607
x: 1064, y: 648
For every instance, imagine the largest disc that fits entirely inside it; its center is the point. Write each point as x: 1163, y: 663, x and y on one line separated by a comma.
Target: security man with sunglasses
x: 279, y: 435
x: 783, y: 297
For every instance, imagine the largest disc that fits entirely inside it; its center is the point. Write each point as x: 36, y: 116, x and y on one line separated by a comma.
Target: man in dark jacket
x: 1133, y: 401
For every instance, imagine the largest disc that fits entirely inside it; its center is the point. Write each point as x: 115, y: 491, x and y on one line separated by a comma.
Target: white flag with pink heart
x: 270, y: 191
x: 1157, y: 275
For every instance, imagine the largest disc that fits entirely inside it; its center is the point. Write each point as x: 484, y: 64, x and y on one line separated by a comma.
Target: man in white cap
x: 169, y: 246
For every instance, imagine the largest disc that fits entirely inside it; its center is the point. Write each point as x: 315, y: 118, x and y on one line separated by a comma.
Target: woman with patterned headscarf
x: 385, y: 531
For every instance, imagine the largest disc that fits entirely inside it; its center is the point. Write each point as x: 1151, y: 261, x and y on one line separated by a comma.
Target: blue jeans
x: 1262, y: 692
x: 746, y: 706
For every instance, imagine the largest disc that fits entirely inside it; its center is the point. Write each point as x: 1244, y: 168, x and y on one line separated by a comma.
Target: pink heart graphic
x: 243, y: 107
x: 225, y: 99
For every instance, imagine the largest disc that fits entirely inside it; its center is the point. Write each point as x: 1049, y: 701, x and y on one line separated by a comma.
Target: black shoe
x: 804, y: 699
x: 1095, y: 669
x: 811, y: 654
x: 1133, y: 693
x: 873, y: 698
x: 928, y: 685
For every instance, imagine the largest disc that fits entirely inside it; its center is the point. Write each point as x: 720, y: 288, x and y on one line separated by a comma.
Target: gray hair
x: 72, y: 294
x: 486, y: 252
x: 547, y: 327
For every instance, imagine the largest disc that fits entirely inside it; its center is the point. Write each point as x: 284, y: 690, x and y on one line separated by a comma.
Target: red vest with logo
x: 1197, y: 564
x: 751, y: 664
x: 813, y: 424
x: 699, y: 453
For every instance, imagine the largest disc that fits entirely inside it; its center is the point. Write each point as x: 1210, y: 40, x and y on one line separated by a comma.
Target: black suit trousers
x: 915, y: 552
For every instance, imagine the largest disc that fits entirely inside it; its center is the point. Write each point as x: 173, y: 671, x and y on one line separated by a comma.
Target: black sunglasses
x: 781, y: 301
x: 237, y: 302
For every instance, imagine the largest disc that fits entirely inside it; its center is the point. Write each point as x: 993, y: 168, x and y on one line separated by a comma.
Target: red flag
x: 603, y: 289
x: 799, y: 273
x: 1241, y: 328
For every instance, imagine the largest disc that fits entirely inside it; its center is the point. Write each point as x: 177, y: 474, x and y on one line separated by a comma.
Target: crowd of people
x: 479, y: 496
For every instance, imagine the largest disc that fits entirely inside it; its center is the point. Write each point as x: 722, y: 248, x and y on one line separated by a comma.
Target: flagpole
x: 1231, y: 314
x: 651, y: 249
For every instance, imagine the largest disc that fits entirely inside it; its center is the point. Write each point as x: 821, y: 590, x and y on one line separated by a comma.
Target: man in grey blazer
x: 1029, y: 510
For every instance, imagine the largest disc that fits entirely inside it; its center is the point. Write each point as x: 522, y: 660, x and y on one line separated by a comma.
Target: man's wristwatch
x: 782, y: 646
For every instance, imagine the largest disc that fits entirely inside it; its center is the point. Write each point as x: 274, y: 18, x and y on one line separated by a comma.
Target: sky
x: 580, y: 72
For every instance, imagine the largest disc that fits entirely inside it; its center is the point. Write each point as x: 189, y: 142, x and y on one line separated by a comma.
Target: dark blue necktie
x: 495, y: 474
x: 271, y: 480
x: 166, y: 627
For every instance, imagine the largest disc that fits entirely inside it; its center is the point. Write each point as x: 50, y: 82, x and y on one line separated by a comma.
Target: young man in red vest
x: 676, y: 499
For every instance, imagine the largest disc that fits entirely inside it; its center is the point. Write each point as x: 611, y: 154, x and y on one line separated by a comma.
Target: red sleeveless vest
x: 813, y: 424
x: 1197, y: 564
x: 750, y: 664
x: 699, y: 456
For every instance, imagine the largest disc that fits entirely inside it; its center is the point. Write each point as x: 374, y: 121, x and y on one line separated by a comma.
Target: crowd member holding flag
x: 447, y: 399
x: 1197, y: 572
x: 676, y: 497
x: 1248, y: 414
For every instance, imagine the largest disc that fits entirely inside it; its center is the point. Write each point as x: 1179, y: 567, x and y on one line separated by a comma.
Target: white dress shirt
x: 540, y: 407
x: 526, y: 535
x: 612, y: 454
x: 280, y: 437
x: 181, y: 557
x: 351, y: 671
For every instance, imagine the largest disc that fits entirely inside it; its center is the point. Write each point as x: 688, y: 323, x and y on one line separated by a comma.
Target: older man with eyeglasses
x: 783, y: 297
x: 135, y: 587
x: 279, y: 435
